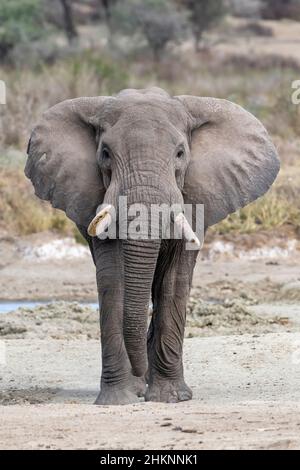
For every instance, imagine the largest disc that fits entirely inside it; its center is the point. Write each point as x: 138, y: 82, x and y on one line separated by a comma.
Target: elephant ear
x: 62, y: 162
x: 233, y: 161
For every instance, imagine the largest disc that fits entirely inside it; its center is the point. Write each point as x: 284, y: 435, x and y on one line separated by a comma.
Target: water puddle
x: 12, y: 305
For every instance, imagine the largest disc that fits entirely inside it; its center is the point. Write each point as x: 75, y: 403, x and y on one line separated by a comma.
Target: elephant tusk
x: 186, y: 230
x: 100, y: 222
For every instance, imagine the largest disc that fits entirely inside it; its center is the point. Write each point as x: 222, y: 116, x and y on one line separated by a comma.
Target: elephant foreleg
x: 118, y: 386
x: 165, y: 342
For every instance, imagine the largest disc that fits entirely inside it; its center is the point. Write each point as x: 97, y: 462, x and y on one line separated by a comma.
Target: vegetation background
x: 246, y: 51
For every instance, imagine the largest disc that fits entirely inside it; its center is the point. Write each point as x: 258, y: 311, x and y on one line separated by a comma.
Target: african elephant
x: 153, y: 148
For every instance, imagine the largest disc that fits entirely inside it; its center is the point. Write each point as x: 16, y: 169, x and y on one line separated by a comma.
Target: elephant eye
x: 105, y: 154
x: 105, y: 157
x: 180, y: 153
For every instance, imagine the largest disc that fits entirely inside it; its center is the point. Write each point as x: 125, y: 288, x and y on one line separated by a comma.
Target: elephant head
x: 152, y: 148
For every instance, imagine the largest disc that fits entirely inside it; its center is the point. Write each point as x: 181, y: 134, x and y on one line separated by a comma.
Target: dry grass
x: 263, y: 91
x: 30, y: 92
x: 271, y: 211
x: 21, y: 212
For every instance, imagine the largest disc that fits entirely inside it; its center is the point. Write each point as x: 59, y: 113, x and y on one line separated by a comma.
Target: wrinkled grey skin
x: 158, y: 149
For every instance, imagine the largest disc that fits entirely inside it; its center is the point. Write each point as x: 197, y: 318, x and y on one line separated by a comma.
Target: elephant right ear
x: 62, y: 163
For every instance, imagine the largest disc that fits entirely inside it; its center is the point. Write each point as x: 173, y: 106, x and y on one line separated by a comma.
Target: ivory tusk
x: 186, y: 230
x: 100, y: 222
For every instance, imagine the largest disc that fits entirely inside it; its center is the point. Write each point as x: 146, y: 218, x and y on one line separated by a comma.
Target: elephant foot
x: 138, y: 386
x: 114, y: 396
x: 168, y: 391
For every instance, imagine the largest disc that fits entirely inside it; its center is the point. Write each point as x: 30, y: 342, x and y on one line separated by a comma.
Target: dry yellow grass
x: 21, y: 212
x: 264, y: 91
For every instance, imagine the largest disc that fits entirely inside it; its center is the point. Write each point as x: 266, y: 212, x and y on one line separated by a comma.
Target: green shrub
x: 155, y: 20
x: 20, y: 21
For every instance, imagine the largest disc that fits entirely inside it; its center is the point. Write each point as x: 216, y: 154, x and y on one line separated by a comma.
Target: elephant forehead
x: 143, y: 132
x: 154, y: 107
x: 133, y: 107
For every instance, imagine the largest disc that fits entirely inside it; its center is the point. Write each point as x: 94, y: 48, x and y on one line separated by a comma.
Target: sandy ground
x: 246, y: 384
x: 246, y: 425
x: 246, y: 395
x: 262, y: 265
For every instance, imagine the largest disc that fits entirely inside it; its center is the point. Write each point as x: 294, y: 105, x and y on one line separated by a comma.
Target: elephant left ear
x: 233, y: 161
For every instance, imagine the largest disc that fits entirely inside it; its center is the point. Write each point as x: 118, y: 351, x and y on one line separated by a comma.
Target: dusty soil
x: 262, y: 266
x: 71, y: 320
x: 25, y: 275
x: 244, y: 425
x: 282, y: 43
x: 242, y: 355
x: 246, y: 395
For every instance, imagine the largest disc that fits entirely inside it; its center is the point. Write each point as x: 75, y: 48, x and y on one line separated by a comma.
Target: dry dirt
x: 283, y: 42
x: 246, y: 395
x: 242, y: 356
x: 261, y: 267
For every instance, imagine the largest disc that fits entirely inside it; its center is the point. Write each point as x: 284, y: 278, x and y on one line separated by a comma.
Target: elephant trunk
x: 140, y: 257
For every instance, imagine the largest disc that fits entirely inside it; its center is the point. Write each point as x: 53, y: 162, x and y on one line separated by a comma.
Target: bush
x: 20, y: 21
x: 244, y: 8
x: 278, y: 9
x: 203, y: 15
x: 156, y: 20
